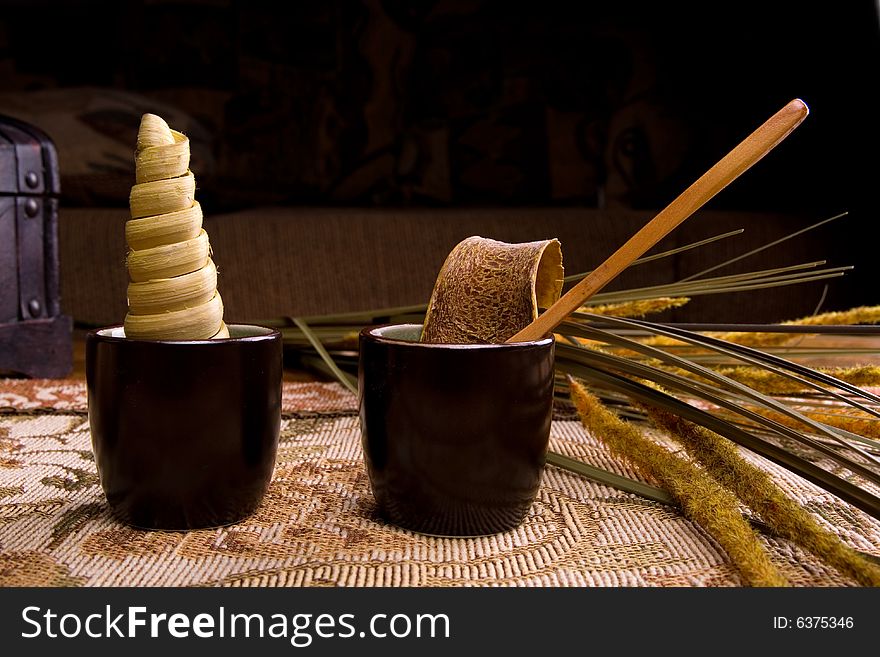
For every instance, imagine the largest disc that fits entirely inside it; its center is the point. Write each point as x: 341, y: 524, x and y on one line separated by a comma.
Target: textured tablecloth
x: 317, y: 525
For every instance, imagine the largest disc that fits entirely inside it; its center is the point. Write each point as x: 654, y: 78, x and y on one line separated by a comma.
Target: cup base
x: 144, y: 523
x: 440, y: 530
x: 204, y: 511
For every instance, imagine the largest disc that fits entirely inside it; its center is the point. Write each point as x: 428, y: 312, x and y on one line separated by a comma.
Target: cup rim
x: 104, y: 335
x: 369, y: 333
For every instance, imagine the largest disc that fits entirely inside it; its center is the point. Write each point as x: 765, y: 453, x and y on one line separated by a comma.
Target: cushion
x: 95, y: 132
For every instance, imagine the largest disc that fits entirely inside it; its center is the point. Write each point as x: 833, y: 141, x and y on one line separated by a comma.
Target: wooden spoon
x: 725, y: 171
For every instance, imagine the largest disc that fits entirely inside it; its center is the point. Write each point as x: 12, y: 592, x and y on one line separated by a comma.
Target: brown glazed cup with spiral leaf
x: 454, y: 436
x: 184, y: 433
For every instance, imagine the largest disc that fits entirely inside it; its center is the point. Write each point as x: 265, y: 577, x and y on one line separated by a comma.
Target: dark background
x: 459, y: 103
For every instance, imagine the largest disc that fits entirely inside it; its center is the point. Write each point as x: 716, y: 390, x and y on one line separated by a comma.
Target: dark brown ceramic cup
x: 184, y: 432
x: 454, y: 436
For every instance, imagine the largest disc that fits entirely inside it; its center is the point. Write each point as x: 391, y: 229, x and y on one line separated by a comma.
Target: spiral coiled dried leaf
x: 173, y: 290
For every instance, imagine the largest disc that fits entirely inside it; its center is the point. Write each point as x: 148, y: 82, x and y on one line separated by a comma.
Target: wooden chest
x: 35, y: 338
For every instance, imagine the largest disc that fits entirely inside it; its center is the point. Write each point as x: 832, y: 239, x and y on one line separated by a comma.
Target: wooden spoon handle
x: 736, y: 162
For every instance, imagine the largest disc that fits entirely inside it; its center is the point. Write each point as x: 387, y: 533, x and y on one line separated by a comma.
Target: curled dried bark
x: 487, y: 290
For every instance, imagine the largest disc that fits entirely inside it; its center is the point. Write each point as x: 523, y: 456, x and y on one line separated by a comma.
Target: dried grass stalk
x: 764, y: 380
x: 701, y: 497
x: 637, y: 308
x: 853, y: 421
x: 774, y: 384
x: 756, y: 489
x: 860, y: 315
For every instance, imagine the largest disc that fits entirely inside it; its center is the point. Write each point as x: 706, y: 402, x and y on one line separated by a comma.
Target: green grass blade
x: 665, y: 254
x: 343, y: 378
x: 610, y: 479
x: 765, y: 246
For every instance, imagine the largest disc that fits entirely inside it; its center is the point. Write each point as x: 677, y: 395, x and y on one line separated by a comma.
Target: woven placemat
x: 318, y: 524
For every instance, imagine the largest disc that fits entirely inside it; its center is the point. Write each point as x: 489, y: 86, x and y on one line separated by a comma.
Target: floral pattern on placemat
x: 49, y: 395
x: 318, y: 526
